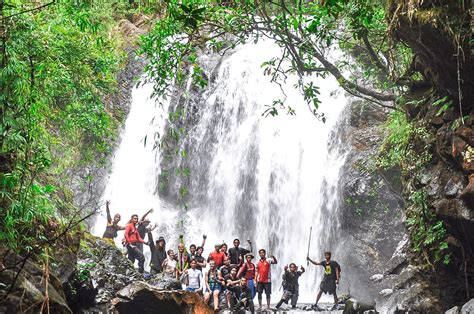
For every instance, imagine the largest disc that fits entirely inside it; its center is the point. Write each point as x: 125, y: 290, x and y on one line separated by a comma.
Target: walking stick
x: 309, y: 244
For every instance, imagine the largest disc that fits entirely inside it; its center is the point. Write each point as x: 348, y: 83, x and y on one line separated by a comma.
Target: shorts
x: 191, y: 289
x: 267, y: 286
x: 287, y: 295
x: 214, y: 286
x: 328, y: 285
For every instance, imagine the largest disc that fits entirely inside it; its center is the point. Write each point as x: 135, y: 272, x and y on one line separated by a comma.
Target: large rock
x: 26, y: 287
x: 468, y: 308
x: 103, y: 270
x: 140, y: 297
x: 371, y: 216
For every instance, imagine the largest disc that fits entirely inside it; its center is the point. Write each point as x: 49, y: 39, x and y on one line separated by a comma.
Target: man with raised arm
x: 332, y: 274
x: 290, y: 285
x: 143, y: 226
x: 263, y: 276
x: 112, y: 225
x: 158, y: 253
x: 193, y: 248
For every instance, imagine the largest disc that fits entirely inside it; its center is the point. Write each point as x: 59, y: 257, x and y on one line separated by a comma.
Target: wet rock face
x: 372, y: 214
x: 425, y: 27
x: 404, y: 287
x: 140, y: 297
x: 448, y: 181
x: 23, y: 287
x: 102, y: 271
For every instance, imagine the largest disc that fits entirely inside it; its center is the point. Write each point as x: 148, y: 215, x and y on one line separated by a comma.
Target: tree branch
x: 374, y: 55
x: 31, y: 10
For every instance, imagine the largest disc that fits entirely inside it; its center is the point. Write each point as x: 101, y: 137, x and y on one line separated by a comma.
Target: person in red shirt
x: 132, y: 238
x: 247, y: 271
x: 217, y: 256
x: 263, y: 276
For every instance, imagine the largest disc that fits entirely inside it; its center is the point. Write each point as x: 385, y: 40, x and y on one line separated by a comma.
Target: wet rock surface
x: 141, y: 297
x: 26, y: 286
x: 371, y: 217
x: 102, y: 272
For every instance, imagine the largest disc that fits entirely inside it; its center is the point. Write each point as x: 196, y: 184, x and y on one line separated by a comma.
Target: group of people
x: 225, y: 272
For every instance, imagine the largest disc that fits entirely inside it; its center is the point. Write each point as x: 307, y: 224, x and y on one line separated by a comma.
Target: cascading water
x: 131, y: 184
x: 264, y: 178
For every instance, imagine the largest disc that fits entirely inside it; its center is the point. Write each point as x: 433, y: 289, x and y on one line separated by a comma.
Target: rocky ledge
x: 141, y: 297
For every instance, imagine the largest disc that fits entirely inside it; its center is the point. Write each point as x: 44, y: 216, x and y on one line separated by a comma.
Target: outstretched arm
x: 152, y: 228
x: 151, y: 243
x: 204, y: 237
x: 107, y: 209
x: 250, y: 244
x: 146, y: 214
x: 315, y: 263
x: 274, y: 260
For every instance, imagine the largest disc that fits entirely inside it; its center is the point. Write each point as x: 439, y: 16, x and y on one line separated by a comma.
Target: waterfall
x: 267, y: 179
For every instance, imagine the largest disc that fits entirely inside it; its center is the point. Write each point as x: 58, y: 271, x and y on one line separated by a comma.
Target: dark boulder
x: 141, y: 297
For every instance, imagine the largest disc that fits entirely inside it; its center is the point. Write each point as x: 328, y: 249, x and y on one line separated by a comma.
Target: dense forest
x: 61, y: 67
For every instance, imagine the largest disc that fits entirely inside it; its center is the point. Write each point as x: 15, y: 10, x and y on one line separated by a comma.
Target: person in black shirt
x: 201, y: 261
x: 237, y: 253
x: 290, y: 285
x: 193, y: 249
x: 112, y: 225
x: 142, y: 227
x: 332, y: 274
x: 226, y: 268
x: 158, y: 254
x: 244, y: 297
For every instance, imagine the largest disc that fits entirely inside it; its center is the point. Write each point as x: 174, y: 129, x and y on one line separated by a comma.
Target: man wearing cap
x: 158, y: 253
x: 247, y: 271
x: 263, y: 278
x: 217, y: 256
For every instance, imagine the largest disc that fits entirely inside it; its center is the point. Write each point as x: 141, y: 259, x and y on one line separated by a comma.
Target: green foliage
x: 444, y: 104
x: 428, y: 235
x: 59, y: 65
x: 407, y: 146
x: 398, y: 148
x: 83, y: 271
x: 303, y: 30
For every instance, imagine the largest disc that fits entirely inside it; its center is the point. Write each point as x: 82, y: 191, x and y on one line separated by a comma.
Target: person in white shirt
x: 194, y: 278
x: 169, y: 264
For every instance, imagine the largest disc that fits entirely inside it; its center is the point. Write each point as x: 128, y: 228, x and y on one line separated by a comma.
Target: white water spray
x: 267, y: 179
